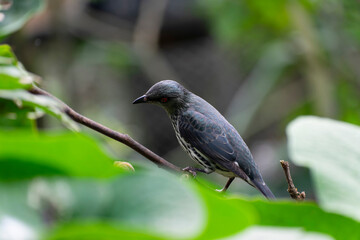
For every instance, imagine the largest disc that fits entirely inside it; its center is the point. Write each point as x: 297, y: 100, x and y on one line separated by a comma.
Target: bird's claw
x: 190, y: 170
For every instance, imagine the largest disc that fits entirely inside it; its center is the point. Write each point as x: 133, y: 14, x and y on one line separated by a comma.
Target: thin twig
x: 120, y: 137
x: 294, y: 194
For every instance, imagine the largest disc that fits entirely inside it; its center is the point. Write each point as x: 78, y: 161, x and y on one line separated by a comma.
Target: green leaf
x: 7, y: 56
x: 14, y: 117
x: 307, y: 216
x: 17, y: 219
x: 225, y: 216
x: 109, y: 204
x: 154, y: 203
x: 17, y: 13
x: 331, y: 150
x: 278, y: 233
x: 97, y: 230
x: 12, y: 74
x: 39, y: 102
x: 24, y: 155
x: 234, y: 214
x: 14, y: 80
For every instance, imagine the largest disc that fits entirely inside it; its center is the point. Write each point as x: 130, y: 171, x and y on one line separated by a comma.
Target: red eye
x: 164, y: 100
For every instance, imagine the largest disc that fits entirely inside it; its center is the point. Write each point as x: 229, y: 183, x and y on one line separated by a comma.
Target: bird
x: 206, y: 135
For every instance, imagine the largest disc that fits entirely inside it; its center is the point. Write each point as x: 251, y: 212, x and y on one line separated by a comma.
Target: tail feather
x: 263, y: 188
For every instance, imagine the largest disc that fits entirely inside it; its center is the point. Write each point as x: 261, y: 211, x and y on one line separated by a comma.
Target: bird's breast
x: 188, y: 148
x: 195, y: 154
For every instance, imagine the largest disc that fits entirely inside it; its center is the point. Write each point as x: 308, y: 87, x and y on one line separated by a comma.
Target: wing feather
x: 222, y: 145
x: 208, y: 137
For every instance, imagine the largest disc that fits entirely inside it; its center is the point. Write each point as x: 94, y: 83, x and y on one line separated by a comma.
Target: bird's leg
x: 227, y: 185
x: 193, y: 171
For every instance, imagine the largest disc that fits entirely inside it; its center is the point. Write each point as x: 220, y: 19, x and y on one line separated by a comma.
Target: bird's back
x: 215, y: 137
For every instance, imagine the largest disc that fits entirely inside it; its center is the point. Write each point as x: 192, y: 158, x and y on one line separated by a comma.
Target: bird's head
x: 168, y: 94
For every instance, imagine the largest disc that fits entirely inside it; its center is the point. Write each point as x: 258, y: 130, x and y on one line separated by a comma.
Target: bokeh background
x: 260, y: 63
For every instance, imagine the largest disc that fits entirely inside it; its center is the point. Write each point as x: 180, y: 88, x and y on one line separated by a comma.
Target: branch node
x: 292, y: 190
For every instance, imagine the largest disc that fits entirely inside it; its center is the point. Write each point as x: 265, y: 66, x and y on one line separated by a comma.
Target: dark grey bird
x: 206, y: 135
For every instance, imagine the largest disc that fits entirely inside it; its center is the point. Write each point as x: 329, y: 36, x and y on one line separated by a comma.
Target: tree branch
x: 147, y: 153
x: 294, y: 194
x: 120, y: 137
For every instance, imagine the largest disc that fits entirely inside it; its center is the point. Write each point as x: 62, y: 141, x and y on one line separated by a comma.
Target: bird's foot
x: 190, y: 170
x: 223, y: 190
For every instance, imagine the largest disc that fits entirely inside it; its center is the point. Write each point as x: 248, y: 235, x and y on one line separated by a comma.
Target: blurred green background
x: 260, y: 63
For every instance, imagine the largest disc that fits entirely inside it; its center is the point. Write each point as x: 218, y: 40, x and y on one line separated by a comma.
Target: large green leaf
x: 154, y: 203
x: 138, y: 207
x: 16, y: 14
x: 307, y: 216
x: 145, y: 204
x: 244, y: 213
x: 24, y: 156
x: 331, y: 150
x: 156, y: 206
x: 278, y: 233
x: 97, y: 230
x: 17, y: 219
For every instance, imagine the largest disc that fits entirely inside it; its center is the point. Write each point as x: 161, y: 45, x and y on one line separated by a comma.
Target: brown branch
x: 147, y: 153
x: 120, y: 137
x: 294, y: 194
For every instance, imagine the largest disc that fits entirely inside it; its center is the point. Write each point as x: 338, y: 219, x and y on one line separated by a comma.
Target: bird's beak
x: 141, y: 99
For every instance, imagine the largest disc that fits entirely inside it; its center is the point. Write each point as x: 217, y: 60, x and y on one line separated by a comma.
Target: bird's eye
x: 164, y: 100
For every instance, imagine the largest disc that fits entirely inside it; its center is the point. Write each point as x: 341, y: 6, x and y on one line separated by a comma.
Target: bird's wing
x: 211, y: 139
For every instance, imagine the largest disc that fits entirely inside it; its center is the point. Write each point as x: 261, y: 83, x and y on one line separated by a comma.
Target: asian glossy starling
x: 206, y: 135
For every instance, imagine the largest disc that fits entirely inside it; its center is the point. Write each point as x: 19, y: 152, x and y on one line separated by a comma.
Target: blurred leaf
x: 156, y: 206
x: 12, y: 74
x: 16, y: 14
x: 17, y: 219
x: 331, y: 150
x: 39, y: 102
x: 12, y: 116
x: 237, y: 214
x: 96, y: 231
x: 307, y: 216
x: 14, y: 79
x: 156, y: 203
x: 276, y: 233
x: 226, y: 217
x: 24, y: 155
x: 159, y: 204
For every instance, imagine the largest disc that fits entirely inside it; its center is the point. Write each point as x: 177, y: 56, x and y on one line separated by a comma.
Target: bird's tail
x: 263, y: 188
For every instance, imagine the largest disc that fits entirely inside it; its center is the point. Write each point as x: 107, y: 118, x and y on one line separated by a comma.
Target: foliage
x: 318, y: 39
x: 65, y: 180
x: 62, y: 185
x: 15, y: 80
x: 16, y: 14
x: 63, y: 189
x: 331, y: 150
